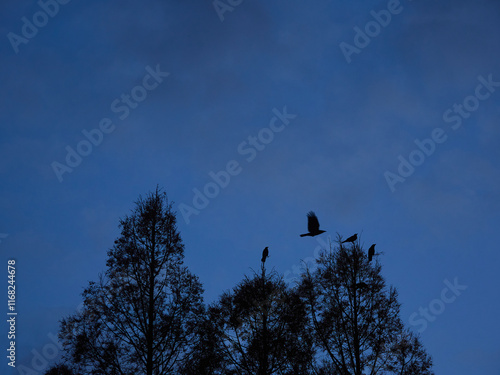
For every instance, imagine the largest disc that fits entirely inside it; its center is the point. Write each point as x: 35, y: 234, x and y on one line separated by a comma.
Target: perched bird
x: 265, y: 254
x: 312, y: 225
x: 353, y: 238
x: 371, y: 252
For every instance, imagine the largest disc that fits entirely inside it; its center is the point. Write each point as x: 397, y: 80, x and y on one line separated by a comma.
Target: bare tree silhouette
x: 355, y: 318
x: 145, y: 315
x: 140, y: 317
x: 263, y: 325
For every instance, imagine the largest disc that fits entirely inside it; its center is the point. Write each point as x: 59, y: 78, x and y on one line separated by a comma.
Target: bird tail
x: 303, y: 235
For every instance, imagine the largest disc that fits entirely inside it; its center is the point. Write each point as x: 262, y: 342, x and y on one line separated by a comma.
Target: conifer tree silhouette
x: 140, y: 317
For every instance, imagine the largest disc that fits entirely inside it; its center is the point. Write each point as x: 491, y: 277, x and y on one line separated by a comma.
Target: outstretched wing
x: 312, y: 222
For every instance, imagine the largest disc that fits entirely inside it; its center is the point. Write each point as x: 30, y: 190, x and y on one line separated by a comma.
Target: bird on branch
x: 265, y: 254
x: 371, y: 252
x: 312, y: 225
x: 353, y: 238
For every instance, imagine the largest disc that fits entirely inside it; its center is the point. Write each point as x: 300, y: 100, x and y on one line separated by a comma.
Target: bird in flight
x: 353, y: 238
x: 312, y: 225
x: 265, y: 254
x: 371, y: 252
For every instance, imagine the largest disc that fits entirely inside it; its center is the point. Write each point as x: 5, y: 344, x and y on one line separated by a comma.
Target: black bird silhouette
x: 353, y: 238
x: 265, y: 254
x: 312, y: 225
x: 371, y: 252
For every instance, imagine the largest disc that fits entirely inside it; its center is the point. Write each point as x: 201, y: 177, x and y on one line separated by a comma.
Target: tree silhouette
x: 145, y: 314
x: 60, y: 369
x: 141, y: 315
x: 355, y: 318
x: 206, y: 356
x: 262, y: 328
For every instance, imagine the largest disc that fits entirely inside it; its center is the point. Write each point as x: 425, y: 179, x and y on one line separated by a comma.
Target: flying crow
x: 312, y: 225
x: 265, y: 254
x: 353, y: 238
x: 371, y: 252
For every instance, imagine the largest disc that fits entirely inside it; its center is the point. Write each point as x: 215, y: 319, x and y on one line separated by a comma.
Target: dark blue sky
x: 429, y: 76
